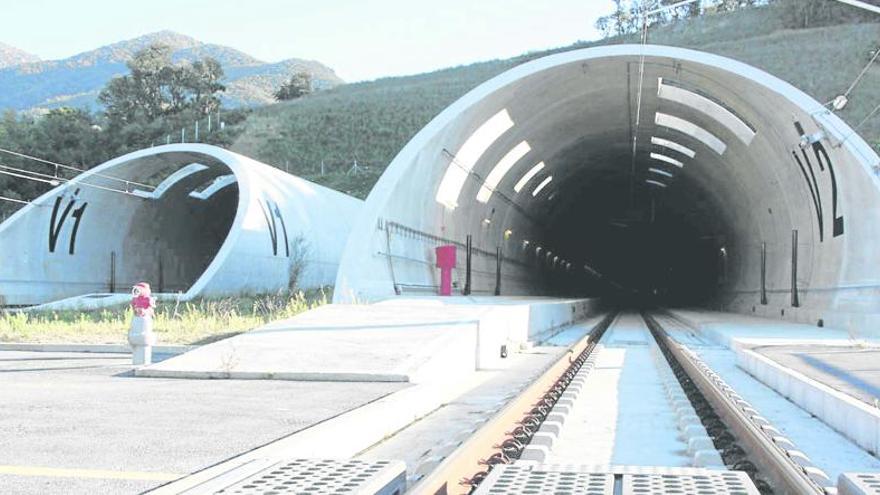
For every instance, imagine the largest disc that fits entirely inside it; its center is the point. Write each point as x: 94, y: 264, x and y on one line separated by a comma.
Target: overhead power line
x: 54, y: 181
x: 70, y: 167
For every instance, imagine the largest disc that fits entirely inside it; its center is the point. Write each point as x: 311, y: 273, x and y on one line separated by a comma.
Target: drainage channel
x: 746, y: 440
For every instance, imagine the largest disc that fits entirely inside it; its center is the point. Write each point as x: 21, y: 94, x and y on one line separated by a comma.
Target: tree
x: 299, y: 84
x: 157, y: 87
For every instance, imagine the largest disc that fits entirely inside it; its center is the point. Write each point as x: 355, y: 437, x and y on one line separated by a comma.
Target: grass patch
x: 199, y: 321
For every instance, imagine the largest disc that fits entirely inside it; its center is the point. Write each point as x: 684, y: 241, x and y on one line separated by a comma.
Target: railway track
x: 630, y: 410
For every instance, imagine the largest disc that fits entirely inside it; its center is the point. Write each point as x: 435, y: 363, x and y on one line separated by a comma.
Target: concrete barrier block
x: 543, y: 439
x: 551, y: 427
x: 556, y: 417
x: 696, y: 444
x: 708, y: 458
x: 692, y: 431
x: 534, y: 453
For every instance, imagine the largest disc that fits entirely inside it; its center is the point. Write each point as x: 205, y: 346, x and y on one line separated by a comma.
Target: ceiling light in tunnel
x: 660, y: 172
x: 528, y: 176
x: 684, y: 150
x: 667, y: 159
x: 500, y: 170
x: 542, y: 185
x: 692, y: 130
x: 655, y: 183
x: 467, y: 156
x: 708, y: 107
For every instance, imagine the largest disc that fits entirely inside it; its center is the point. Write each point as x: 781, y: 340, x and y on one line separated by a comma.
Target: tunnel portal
x: 632, y: 171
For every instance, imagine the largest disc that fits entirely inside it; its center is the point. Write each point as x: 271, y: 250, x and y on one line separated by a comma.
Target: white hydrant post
x: 140, y: 335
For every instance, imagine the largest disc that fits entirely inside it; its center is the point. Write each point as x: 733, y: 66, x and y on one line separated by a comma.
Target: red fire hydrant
x: 445, y: 262
x: 140, y: 335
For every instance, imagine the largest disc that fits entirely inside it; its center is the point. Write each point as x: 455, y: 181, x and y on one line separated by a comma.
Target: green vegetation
x: 299, y: 85
x: 194, y: 322
x: 371, y: 121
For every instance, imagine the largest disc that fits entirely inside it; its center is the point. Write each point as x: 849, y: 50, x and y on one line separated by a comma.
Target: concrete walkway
x: 405, y: 340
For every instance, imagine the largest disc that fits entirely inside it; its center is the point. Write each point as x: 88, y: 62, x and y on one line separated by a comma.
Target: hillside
x: 10, y: 55
x: 76, y: 81
x: 372, y: 121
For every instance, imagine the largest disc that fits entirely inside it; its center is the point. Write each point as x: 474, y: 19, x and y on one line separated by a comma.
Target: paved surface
x: 80, y: 423
x: 363, y: 342
x: 851, y: 370
x: 408, y: 339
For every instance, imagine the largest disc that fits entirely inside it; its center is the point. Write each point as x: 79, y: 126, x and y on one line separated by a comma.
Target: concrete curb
x: 91, y: 348
x: 851, y: 417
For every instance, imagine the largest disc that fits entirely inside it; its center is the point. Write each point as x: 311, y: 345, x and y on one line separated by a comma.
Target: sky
x: 360, y: 39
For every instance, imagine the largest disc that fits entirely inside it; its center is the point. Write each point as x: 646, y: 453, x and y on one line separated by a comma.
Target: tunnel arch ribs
x: 197, y: 221
x: 737, y: 133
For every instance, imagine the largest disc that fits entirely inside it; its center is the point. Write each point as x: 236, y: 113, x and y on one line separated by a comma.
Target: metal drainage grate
x: 517, y: 479
x: 709, y: 483
x: 859, y: 484
x: 324, y: 477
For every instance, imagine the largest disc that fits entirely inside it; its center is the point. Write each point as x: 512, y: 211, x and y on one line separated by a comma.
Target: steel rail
x: 785, y: 476
x: 462, y: 470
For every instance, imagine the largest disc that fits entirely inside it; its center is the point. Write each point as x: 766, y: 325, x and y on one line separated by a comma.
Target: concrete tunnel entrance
x: 173, y: 237
x: 157, y: 217
x: 681, y: 179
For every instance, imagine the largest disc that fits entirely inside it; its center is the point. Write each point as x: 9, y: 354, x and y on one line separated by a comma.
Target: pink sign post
x: 446, y: 262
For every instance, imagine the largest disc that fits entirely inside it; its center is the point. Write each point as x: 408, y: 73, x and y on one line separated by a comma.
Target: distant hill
x: 370, y: 122
x: 26, y: 83
x: 10, y: 55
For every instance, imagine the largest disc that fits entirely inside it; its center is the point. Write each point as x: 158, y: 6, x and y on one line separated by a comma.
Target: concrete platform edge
x: 849, y: 416
x: 91, y: 348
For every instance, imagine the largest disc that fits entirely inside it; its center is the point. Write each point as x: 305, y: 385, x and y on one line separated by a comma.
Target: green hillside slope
x: 370, y: 122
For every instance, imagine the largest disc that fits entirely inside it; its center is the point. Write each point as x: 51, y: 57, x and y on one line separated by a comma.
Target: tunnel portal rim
x: 384, y: 190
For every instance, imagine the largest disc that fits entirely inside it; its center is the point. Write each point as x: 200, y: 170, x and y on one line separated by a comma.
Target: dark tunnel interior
x: 650, y: 243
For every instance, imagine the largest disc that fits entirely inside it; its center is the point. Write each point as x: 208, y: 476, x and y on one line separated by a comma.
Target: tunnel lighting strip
x: 684, y: 150
x: 691, y: 129
x: 709, y: 108
x: 528, y: 176
x: 217, y: 184
x: 500, y: 170
x: 467, y: 156
x: 660, y: 172
x: 667, y: 159
x: 542, y: 185
x: 655, y: 183
x: 169, y: 181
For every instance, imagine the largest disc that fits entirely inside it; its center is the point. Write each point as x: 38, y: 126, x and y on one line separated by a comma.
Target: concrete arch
x: 767, y: 160
x: 196, y: 219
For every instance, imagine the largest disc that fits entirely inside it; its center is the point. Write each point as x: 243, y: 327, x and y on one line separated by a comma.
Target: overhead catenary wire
x: 54, y: 181
x: 13, y: 200
x: 70, y: 167
x: 638, y: 117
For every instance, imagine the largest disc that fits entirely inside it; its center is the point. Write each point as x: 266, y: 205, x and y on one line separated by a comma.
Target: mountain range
x: 30, y: 84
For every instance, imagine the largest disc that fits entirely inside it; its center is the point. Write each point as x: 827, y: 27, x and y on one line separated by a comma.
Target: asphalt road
x: 75, y: 423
